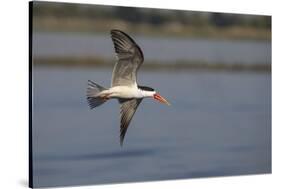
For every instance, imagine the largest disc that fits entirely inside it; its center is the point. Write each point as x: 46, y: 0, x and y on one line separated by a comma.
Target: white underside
x: 126, y: 92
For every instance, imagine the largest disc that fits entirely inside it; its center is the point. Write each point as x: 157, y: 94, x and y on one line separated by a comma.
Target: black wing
x: 130, y: 58
x: 127, y: 111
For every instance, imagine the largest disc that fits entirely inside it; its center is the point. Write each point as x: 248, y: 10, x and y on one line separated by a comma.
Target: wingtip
x: 115, y: 31
x: 121, y: 142
x: 118, y: 33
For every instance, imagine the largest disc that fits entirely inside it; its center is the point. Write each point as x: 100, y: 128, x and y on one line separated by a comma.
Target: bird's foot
x: 105, y: 97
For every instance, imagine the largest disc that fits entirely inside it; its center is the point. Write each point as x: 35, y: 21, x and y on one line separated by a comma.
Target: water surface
x: 219, y: 124
x: 163, y: 49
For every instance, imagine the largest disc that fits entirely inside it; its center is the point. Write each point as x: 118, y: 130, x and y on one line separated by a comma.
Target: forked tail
x: 93, y: 91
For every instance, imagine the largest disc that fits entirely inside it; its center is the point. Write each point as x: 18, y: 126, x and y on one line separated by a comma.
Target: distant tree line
x: 149, y: 16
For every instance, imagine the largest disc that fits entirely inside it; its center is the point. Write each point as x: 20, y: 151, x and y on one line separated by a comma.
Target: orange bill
x: 161, y: 99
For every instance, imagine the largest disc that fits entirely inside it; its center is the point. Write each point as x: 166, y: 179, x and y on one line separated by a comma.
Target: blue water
x: 163, y: 49
x: 219, y: 124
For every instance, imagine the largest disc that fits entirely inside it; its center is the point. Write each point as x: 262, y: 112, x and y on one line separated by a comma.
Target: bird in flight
x: 124, y: 85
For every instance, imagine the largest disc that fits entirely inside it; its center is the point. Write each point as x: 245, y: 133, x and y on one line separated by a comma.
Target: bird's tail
x: 93, y: 92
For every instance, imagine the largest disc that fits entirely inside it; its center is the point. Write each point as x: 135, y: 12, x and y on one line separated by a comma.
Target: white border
x: 14, y: 91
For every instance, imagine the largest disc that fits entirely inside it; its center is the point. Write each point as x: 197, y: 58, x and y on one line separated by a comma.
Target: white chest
x: 124, y: 92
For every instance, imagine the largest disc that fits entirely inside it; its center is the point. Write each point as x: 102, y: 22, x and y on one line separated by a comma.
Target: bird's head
x: 150, y: 92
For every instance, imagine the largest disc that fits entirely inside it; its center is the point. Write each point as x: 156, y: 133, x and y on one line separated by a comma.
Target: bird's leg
x: 105, y: 97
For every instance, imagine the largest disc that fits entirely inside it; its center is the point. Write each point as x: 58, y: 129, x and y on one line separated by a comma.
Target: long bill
x: 161, y: 99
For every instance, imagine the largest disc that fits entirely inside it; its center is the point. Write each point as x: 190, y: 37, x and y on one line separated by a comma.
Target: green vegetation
x: 95, y: 18
x: 171, y: 66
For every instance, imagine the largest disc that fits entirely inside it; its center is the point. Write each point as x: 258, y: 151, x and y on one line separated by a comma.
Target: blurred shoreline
x: 225, y: 41
x: 181, y: 65
x: 88, y: 18
x: 53, y: 24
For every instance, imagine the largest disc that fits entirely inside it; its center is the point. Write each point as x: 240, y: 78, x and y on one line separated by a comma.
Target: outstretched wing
x: 127, y: 111
x: 130, y: 58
